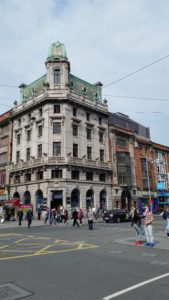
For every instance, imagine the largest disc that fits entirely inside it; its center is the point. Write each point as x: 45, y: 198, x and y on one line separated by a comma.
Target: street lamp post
x: 148, y: 181
x: 49, y: 202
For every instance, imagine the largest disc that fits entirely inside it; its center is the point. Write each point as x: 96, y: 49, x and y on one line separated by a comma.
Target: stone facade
x: 60, y: 141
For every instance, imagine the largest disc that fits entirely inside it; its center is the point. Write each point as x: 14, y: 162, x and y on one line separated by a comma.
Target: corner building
x: 60, y: 149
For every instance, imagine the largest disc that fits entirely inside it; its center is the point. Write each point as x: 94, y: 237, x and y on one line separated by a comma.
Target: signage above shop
x: 161, y: 186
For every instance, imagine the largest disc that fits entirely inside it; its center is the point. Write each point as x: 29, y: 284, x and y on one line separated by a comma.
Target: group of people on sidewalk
x: 147, y: 216
x: 60, y: 215
x: 78, y: 215
x: 56, y: 215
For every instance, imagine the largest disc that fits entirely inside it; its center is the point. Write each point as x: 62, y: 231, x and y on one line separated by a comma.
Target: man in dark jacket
x: 29, y: 217
x: 75, y: 217
x: 136, y: 223
x: 20, y: 216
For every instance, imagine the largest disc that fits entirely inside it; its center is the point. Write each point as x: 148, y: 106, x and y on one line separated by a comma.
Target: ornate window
x: 56, y: 76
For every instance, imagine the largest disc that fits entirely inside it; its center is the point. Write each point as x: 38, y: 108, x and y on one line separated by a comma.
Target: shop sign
x: 161, y: 186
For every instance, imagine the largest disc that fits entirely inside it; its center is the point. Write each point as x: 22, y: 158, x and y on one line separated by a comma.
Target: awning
x: 12, y: 202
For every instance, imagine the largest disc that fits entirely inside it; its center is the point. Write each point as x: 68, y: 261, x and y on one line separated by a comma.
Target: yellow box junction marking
x: 30, y: 248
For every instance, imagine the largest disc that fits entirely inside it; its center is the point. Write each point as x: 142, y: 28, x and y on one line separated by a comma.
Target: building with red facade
x: 5, y: 154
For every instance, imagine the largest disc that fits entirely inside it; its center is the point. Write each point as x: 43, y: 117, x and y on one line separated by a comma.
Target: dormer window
x: 71, y: 85
x: 56, y: 76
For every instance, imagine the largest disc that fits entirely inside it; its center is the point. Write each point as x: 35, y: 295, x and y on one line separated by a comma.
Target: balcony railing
x: 59, y: 161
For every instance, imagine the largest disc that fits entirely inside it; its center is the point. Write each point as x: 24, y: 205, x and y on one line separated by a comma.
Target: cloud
x: 104, y: 39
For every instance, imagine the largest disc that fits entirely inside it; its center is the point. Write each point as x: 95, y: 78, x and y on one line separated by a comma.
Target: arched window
x: 56, y: 76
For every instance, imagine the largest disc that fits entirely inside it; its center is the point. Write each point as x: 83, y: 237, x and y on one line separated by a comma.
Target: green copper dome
x: 57, y: 50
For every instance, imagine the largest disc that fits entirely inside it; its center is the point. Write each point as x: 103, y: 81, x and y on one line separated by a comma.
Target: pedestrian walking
x: 29, y: 216
x: 80, y: 216
x: 90, y: 219
x: 136, y: 223
x: 66, y: 216
x: 47, y: 215
x: 75, y: 218
x: 20, y: 217
x: 165, y: 216
x: 148, y: 228
x: 39, y: 212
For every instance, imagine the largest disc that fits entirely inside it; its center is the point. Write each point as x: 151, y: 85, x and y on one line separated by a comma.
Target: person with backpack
x: 136, y: 223
x: 165, y: 216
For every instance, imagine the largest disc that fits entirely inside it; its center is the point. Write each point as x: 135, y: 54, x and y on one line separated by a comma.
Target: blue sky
x: 105, y: 40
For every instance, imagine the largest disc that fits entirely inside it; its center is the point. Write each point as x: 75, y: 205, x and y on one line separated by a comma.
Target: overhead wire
x: 136, y: 71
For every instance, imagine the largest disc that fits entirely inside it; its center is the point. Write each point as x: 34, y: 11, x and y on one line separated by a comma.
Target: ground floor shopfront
x: 70, y: 195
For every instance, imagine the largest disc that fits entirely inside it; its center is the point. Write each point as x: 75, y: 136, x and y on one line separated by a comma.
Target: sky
x: 105, y: 41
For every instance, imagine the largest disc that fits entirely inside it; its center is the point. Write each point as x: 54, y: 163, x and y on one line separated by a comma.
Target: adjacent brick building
x: 5, y: 154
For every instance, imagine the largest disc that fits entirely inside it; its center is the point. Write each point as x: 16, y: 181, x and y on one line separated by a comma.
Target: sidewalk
x: 14, y: 224
x: 161, y: 241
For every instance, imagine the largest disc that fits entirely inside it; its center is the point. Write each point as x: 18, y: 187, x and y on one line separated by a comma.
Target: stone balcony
x: 55, y: 160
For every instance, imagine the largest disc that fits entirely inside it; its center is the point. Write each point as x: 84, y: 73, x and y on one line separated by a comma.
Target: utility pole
x: 148, y: 181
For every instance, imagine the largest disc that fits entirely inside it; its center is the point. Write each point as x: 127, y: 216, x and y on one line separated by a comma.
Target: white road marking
x: 135, y: 287
x: 116, y: 251
x: 149, y: 254
x: 158, y: 262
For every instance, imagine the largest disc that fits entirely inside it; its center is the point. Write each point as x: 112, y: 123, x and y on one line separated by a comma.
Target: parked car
x: 116, y: 215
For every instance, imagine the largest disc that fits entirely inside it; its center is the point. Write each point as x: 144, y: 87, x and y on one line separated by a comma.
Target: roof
x: 57, y: 50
